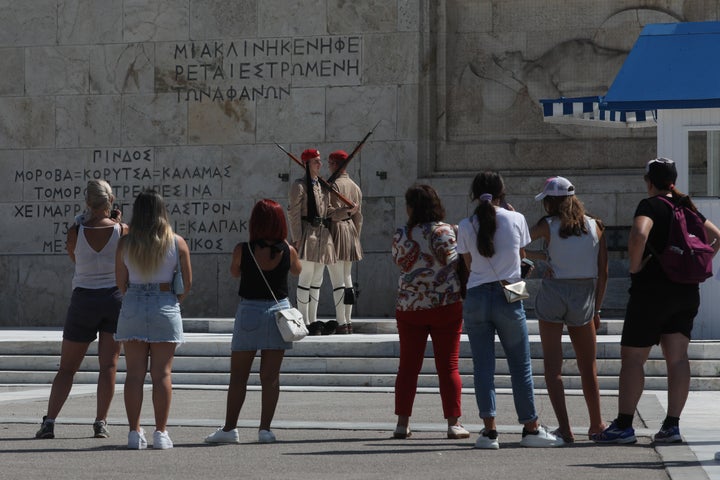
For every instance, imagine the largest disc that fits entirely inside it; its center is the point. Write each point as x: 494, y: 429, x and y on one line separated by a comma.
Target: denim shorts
x: 149, y: 315
x: 92, y: 310
x: 255, y: 328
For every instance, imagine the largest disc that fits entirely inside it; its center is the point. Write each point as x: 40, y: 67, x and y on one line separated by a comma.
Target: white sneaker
x: 266, y: 436
x: 540, y: 438
x: 221, y: 436
x: 457, y: 431
x: 136, y: 440
x: 487, y: 440
x: 161, y: 440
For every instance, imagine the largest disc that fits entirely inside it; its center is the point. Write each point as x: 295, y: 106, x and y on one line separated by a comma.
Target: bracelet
x: 597, y: 312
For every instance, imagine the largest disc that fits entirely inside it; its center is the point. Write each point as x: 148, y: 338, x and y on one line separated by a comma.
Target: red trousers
x: 444, y: 325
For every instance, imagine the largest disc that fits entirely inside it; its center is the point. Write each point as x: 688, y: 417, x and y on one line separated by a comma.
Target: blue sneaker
x: 669, y: 435
x: 613, y: 434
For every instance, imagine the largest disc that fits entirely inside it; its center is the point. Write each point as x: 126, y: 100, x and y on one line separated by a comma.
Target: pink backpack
x: 687, y: 257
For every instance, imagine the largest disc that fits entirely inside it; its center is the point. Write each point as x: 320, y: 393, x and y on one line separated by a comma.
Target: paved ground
x: 340, y: 434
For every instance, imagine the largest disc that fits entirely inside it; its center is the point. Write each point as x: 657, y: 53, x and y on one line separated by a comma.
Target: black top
x: 252, y: 286
x: 661, y: 215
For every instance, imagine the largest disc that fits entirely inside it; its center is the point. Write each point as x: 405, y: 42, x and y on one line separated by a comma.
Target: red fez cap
x: 338, y: 155
x: 309, y: 154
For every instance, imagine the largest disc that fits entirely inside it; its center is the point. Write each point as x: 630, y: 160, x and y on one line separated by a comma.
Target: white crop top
x: 573, y: 257
x: 95, y: 269
x: 163, y: 274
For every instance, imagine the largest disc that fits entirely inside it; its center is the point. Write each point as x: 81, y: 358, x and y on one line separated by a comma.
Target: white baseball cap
x: 556, y: 187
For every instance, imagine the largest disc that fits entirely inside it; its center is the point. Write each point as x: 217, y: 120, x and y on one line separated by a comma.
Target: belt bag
x: 291, y: 324
x: 515, y: 291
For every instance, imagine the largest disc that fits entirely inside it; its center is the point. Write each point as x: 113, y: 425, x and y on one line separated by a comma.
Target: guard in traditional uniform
x: 345, y: 228
x: 309, y: 214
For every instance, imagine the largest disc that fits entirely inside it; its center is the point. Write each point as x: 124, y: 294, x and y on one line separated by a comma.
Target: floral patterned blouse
x: 427, y: 259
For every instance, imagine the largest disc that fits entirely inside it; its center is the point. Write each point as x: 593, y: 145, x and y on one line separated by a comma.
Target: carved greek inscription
x: 54, y: 196
x: 263, y: 68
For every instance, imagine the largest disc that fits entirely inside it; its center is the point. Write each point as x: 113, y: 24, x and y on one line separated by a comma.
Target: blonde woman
x: 150, y: 325
x: 94, y: 306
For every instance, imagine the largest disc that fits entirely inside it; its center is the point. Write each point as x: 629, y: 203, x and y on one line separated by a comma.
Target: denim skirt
x: 255, y: 327
x: 149, y: 315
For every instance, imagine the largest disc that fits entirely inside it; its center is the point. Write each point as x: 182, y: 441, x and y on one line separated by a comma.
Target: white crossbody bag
x: 289, y: 320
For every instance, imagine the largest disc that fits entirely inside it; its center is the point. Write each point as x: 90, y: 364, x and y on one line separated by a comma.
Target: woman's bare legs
x: 240, y: 365
x: 674, y: 347
x: 551, y: 339
x: 270, y: 362
x: 136, y: 360
x: 161, y: 359
x: 71, y: 356
x: 584, y: 342
x: 108, y: 354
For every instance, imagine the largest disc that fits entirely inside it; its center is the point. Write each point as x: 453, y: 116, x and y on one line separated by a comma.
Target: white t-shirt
x: 512, y: 234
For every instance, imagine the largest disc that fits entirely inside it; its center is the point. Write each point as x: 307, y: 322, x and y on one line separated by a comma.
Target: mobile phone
x: 114, y: 213
x: 525, y: 267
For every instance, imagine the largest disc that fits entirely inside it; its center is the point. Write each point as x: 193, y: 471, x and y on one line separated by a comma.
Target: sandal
x: 566, y: 438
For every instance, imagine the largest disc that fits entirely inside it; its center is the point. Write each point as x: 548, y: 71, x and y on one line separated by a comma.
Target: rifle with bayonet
x: 323, y: 183
x: 331, y: 179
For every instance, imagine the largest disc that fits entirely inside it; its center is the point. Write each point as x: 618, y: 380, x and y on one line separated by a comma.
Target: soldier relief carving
x: 495, y: 97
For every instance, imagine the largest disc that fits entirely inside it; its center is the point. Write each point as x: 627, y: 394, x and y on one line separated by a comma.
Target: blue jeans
x: 486, y: 312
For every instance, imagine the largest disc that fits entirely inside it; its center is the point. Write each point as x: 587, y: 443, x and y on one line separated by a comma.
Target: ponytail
x: 487, y: 187
x: 682, y: 199
x: 485, y: 212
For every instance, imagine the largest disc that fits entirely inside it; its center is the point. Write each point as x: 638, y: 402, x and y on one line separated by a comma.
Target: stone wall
x: 190, y: 96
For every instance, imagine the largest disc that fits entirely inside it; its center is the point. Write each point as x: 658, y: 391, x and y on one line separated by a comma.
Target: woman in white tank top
x: 571, y: 294
x: 150, y: 325
x: 94, y: 306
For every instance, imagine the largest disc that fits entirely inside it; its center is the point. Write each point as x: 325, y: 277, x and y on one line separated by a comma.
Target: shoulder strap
x: 261, y: 272
x: 177, y: 252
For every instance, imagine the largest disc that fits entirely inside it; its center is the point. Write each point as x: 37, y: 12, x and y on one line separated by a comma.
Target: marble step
x: 356, y: 345
x: 358, y: 360
x: 340, y: 365
x: 610, y: 326
x: 355, y: 380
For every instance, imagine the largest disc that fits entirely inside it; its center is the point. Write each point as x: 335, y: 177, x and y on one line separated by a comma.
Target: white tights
x: 341, y: 278
x: 308, y: 291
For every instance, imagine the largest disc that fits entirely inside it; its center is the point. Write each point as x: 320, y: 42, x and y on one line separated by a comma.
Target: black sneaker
x: 47, y: 429
x: 100, y: 429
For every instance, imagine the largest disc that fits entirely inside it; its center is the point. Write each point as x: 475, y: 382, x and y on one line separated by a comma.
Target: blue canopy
x: 671, y: 66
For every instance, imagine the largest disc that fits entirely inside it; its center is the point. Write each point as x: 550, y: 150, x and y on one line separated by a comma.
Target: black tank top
x: 252, y: 286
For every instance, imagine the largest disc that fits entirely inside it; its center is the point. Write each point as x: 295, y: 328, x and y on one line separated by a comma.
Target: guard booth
x: 669, y: 81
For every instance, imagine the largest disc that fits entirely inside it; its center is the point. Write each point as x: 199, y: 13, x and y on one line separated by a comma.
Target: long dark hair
x: 492, y: 186
x: 425, y: 205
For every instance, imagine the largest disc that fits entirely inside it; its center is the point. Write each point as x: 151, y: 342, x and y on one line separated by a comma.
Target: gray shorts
x: 149, y: 315
x: 568, y: 301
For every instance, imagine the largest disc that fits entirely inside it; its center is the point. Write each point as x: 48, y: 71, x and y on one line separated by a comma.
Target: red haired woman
x: 255, y: 327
